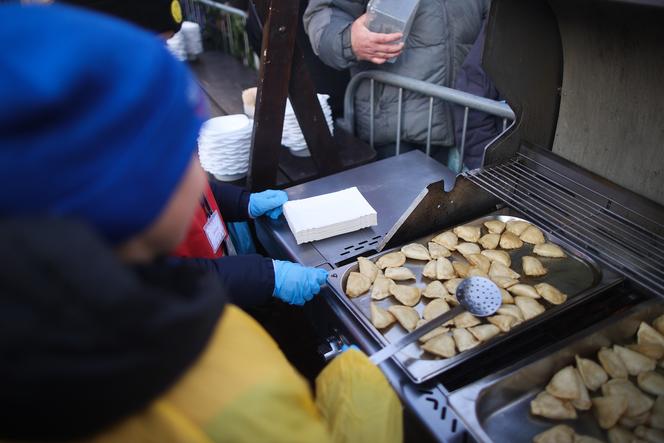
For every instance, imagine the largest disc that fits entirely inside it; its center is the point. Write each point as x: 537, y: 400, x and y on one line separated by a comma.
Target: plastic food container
x: 390, y: 16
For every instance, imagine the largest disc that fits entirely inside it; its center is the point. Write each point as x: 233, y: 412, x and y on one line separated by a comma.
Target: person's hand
x: 268, y: 203
x: 372, y: 46
x: 295, y: 284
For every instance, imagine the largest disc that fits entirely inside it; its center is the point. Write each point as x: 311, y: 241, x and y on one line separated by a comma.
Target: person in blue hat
x: 102, y: 339
x: 251, y: 278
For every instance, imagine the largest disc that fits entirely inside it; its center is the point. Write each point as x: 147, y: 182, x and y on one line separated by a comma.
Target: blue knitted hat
x: 97, y: 120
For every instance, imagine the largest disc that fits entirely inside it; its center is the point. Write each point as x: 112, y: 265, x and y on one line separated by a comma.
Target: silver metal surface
x: 477, y: 295
x: 389, y: 185
x: 578, y: 276
x: 619, y: 241
x: 497, y: 408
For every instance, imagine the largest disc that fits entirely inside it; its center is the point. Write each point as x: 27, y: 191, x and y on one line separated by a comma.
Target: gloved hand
x: 268, y: 203
x: 295, y: 284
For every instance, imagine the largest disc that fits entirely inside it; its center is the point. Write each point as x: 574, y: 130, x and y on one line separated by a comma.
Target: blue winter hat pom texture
x: 97, y: 120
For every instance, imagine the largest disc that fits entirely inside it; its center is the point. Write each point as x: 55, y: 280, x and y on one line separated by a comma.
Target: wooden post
x: 279, y: 32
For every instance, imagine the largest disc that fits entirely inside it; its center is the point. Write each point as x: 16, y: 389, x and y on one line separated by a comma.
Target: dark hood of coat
x: 85, y: 340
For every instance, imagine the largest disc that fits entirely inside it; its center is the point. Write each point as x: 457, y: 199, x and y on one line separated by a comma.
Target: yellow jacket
x: 242, y: 389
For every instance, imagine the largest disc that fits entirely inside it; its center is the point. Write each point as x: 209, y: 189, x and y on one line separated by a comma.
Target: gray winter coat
x: 441, y: 36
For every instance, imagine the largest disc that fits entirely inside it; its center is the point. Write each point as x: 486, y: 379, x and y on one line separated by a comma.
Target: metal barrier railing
x: 468, y: 101
x: 226, y: 25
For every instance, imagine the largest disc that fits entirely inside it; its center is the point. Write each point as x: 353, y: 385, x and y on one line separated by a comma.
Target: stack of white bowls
x: 292, y: 136
x: 177, y: 46
x: 223, y: 146
x: 191, y: 33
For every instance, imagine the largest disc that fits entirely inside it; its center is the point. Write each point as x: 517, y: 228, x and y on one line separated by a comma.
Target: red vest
x: 196, y: 244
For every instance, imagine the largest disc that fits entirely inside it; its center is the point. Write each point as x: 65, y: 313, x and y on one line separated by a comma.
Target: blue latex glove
x: 295, y: 284
x: 346, y: 347
x: 268, y: 203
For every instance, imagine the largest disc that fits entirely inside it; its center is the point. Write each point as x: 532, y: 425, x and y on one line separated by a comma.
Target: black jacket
x: 85, y: 340
x: 249, y: 278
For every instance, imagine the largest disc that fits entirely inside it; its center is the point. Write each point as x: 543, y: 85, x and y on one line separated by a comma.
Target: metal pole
x: 399, y: 122
x: 429, y: 127
x: 462, y: 150
x: 371, y: 114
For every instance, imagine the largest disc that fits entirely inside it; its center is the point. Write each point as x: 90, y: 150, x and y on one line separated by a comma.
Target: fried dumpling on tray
x: 399, y: 274
x: 381, y: 318
x: 484, y: 332
x: 467, y: 249
x: 381, y: 288
x: 608, y: 410
x: 448, y: 239
x: 436, y: 250
x: 586, y: 439
x: 416, y: 251
x: 368, y: 268
x: 651, y: 382
x: 548, y: 406
x: 648, y: 334
x: 525, y: 290
x: 429, y: 270
x: 513, y: 311
x: 504, y: 282
x: 480, y: 261
x: 550, y: 293
x: 556, y: 434
x: 468, y: 233
x: 474, y: 271
x: 503, y: 322
x: 649, y: 435
x: 441, y: 345
x: 529, y: 306
x: 506, y: 297
x: 658, y: 324
x: 516, y: 227
x: 533, y: 235
x: 452, y: 284
x: 435, y: 308
x: 564, y: 384
x: 357, y: 284
x: 407, y: 295
x: 549, y: 250
x: 498, y: 269
x: 462, y: 269
x: 489, y: 241
x: 582, y: 403
x: 634, y: 362
x: 407, y: 317
x: 431, y: 334
x: 435, y: 289
x: 464, y: 340
x: 532, y: 266
x: 618, y: 434
x: 637, y: 402
x: 632, y: 422
x: 592, y: 374
x: 495, y: 226
x: 612, y: 364
x: 499, y: 256
x: 444, y: 269
x: 648, y: 349
x: 466, y: 320
x: 510, y: 241
x: 656, y: 419
x: 391, y: 260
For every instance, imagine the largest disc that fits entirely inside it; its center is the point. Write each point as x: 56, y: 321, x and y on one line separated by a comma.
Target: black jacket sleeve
x: 248, y: 280
x: 233, y: 201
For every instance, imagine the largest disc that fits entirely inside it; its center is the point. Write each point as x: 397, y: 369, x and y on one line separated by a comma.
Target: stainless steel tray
x: 497, y: 408
x: 577, y: 275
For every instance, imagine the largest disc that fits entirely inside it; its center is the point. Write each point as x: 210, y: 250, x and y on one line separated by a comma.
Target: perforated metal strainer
x: 477, y: 295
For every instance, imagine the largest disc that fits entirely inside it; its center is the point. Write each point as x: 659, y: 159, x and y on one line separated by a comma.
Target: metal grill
x: 616, y: 235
